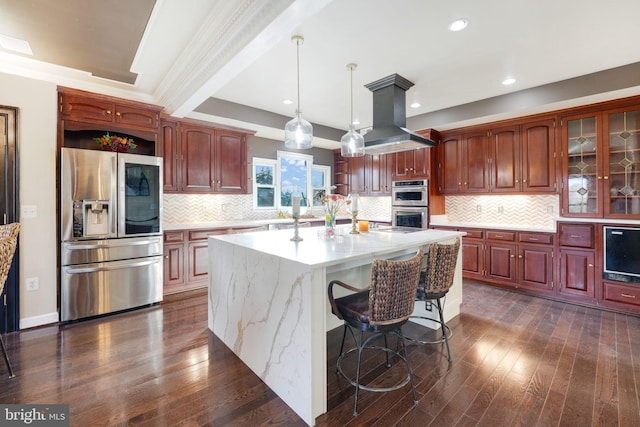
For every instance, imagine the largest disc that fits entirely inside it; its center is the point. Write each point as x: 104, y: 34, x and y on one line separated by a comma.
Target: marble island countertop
x: 316, y: 251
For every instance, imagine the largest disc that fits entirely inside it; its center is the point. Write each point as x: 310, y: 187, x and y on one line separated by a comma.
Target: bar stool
x: 435, y: 282
x: 8, y: 243
x: 380, y: 309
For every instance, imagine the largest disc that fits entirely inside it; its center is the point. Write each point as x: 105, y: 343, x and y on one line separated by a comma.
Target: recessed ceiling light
x: 287, y: 102
x: 459, y: 24
x: 16, y: 45
x: 415, y: 105
x: 508, y: 81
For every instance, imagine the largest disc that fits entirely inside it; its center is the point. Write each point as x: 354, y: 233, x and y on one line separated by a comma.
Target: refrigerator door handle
x: 79, y: 270
x: 111, y: 244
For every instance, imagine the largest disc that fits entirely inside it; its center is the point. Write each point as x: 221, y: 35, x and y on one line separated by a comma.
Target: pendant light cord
x: 351, y: 67
x: 298, y: 40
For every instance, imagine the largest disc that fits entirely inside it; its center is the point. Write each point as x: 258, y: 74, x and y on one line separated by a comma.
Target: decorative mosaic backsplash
x: 536, y: 211
x: 198, y: 208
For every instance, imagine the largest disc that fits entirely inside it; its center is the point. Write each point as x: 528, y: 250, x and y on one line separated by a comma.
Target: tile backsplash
x: 204, y: 208
x: 535, y: 211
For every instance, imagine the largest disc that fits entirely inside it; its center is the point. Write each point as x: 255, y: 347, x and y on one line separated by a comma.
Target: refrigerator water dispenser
x: 95, y: 217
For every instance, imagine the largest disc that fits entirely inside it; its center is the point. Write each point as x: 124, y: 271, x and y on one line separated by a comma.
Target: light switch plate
x: 29, y: 211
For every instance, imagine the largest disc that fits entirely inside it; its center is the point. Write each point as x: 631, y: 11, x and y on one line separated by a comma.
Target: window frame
x: 257, y: 162
x: 277, y: 178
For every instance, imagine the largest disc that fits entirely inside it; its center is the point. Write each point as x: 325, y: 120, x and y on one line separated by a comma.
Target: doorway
x: 9, y: 208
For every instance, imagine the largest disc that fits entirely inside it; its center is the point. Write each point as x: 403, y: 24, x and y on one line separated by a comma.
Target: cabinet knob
x: 606, y: 177
x: 108, y: 111
x: 520, y: 256
x: 524, y: 180
x: 517, y: 181
x: 513, y: 256
x: 590, y: 265
x: 599, y: 177
x: 118, y: 113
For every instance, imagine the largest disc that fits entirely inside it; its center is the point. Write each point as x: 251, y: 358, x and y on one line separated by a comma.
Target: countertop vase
x: 330, y: 226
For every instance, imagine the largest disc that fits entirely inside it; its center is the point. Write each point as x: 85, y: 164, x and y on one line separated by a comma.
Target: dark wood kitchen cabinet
x: 535, y: 262
x: 601, y: 170
x: 412, y: 164
x: 368, y: 175
x: 577, y: 261
x: 513, y: 158
x: 538, y: 154
x: 500, y: 254
x: 463, y: 163
x: 203, y: 159
x: 88, y: 107
x: 473, y: 253
x: 516, y: 259
x: 186, y: 257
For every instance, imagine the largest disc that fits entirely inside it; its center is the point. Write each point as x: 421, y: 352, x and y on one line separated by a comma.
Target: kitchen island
x: 268, y: 301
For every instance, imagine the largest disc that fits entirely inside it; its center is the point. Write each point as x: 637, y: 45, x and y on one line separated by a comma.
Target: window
x: 277, y: 181
x: 264, y: 183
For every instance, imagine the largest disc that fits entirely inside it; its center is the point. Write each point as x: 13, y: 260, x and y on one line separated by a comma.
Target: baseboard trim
x: 43, y: 319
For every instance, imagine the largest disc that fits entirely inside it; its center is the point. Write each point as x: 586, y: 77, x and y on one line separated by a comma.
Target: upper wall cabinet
x: 83, y: 116
x: 86, y: 107
x: 202, y: 159
x: 411, y: 164
x: 368, y: 175
x: 509, y: 159
x: 601, y: 164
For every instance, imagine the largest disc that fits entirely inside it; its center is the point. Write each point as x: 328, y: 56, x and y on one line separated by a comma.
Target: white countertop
x: 318, y: 252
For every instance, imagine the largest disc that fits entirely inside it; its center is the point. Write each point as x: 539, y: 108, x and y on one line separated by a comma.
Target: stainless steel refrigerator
x: 111, y: 232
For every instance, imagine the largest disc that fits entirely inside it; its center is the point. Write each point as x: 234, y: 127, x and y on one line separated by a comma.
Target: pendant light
x: 298, y: 133
x: 352, y: 143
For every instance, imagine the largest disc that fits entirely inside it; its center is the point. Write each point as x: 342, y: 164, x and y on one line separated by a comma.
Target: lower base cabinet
x: 186, y: 258
x: 570, y: 270
x: 577, y: 274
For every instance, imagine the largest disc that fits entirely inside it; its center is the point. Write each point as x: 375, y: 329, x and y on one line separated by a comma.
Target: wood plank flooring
x: 517, y: 361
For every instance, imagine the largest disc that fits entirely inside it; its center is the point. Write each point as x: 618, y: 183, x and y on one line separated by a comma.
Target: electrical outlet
x: 478, y: 208
x: 33, y: 283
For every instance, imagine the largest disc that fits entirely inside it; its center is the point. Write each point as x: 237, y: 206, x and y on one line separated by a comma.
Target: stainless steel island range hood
x: 389, y: 133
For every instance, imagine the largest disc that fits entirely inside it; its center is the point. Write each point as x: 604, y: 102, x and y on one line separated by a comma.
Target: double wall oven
x: 410, y: 203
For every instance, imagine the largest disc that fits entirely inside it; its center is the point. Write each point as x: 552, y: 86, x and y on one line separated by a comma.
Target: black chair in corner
x: 8, y: 243
x: 380, y: 309
x: 435, y: 282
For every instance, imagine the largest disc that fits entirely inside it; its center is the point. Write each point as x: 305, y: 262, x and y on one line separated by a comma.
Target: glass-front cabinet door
x: 581, y: 135
x: 622, y: 164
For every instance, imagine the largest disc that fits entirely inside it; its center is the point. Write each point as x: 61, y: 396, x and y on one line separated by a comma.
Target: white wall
x: 37, y: 120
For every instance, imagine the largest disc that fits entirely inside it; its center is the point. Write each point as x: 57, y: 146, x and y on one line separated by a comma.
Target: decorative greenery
x: 333, y: 203
x: 115, y: 143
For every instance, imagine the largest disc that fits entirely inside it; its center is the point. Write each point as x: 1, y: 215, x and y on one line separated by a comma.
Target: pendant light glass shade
x: 352, y: 143
x: 298, y: 133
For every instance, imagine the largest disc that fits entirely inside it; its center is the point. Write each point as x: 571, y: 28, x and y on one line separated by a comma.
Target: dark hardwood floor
x: 517, y: 361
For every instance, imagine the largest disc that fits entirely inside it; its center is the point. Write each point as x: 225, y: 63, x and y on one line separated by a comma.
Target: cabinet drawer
x: 546, y: 239
x: 577, y: 235
x: 173, y: 236
x: 473, y: 234
x: 203, y: 234
x: 622, y: 293
x: 507, y: 236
